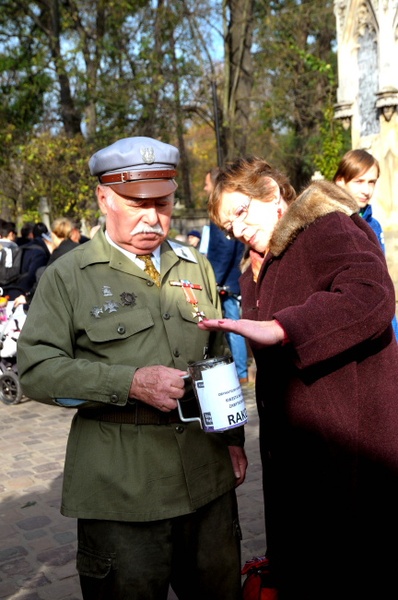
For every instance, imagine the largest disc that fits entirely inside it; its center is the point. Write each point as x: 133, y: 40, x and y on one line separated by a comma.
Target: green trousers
x: 197, y: 554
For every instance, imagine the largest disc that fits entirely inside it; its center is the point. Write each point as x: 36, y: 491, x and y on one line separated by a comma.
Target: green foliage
x: 334, y: 143
x: 68, y: 185
x: 145, y: 67
x: 54, y: 167
x: 295, y: 67
x: 21, y: 92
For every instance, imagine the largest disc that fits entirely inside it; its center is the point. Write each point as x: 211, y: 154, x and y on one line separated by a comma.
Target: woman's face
x: 248, y: 219
x: 361, y: 187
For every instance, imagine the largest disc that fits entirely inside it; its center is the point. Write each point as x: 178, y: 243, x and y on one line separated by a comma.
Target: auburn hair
x: 250, y: 176
x: 354, y: 164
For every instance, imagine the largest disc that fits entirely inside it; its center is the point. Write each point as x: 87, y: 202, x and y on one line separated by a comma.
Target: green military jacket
x: 95, y: 318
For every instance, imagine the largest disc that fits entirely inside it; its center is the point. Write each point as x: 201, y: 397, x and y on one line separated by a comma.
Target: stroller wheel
x: 10, y: 388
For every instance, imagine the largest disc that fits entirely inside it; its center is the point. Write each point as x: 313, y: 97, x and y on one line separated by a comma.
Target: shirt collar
x: 134, y: 257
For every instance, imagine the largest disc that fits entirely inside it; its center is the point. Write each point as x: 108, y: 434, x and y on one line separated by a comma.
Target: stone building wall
x: 367, y: 99
x: 391, y: 239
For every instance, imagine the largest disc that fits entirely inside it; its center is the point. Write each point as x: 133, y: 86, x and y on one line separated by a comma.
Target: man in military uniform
x: 154, y: 496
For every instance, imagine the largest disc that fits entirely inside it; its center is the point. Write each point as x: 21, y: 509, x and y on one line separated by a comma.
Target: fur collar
x: 317, y: 200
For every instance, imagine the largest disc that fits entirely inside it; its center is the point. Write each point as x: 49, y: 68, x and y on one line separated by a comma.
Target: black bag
x: 12, y: 276
x: 11, y: 273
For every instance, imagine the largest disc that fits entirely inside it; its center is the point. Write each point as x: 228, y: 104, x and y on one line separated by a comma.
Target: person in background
x: 225, y: 256
x: 35, y: 258
x: 8, y: 259
x: 8, y: 233
x: 7, y: 245
x: 62, y: 231
x: 77, y: 236
x: 193, y: 238
x: 26, y: 234
x: 318, y: 317
x: 358, y: 172
x: 111, y: 331
x: 43, y: 238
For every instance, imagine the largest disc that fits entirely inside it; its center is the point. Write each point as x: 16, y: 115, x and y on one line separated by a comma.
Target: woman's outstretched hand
x: 264, y: 333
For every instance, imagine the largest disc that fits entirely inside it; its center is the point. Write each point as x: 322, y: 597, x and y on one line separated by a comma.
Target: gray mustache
x: 147, y: 229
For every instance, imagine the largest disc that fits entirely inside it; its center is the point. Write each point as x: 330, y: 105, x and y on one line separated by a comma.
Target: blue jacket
x: 374, y: 223
x: 225, y: 256
x: 377, y: 228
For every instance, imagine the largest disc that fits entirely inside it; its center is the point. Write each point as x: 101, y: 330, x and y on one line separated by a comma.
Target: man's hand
x: 158, y: 386
x: 239, y: 463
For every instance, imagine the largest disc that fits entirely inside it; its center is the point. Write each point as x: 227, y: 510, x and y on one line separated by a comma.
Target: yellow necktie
x: 150, y: 268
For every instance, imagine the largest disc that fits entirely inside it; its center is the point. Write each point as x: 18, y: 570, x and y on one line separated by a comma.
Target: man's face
x: 208, y: 188
x: 362, y: 187
x: 75, y: 235
x: 193, y: 241
x: 137, y: 225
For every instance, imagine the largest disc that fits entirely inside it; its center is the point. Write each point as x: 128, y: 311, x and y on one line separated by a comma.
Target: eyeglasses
x: 238, y: 216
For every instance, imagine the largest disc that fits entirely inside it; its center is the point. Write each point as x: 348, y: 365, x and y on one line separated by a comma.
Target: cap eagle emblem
x: 148, y: 155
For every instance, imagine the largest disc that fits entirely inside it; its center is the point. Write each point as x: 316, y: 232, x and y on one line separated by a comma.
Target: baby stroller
x: 11, y: 321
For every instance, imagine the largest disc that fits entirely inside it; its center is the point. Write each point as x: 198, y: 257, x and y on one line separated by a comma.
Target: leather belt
x: 127, y: 176
x: 136, y: 413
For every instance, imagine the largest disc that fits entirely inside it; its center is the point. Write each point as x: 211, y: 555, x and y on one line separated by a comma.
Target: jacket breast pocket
x: 195, y: 342
x: 120, y: 326
x: 188, y: 313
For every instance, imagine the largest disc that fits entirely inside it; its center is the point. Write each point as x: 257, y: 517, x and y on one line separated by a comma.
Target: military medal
x: 106, y: 290
x: 96, y: 311
x: 190, y: 297
x: 128, y: 298
x: 111, y: 306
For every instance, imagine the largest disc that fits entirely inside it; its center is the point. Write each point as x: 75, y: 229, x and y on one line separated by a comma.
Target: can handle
x: 179, y: 407
x: 187, y: 419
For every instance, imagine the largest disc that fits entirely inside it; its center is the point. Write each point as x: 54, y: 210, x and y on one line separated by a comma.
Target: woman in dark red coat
x: 317, y: 303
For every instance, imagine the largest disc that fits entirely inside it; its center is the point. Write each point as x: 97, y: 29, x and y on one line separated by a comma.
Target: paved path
x: 38, y: 544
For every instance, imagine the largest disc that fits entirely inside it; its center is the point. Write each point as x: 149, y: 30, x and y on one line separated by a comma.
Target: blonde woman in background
x: 61, y: 230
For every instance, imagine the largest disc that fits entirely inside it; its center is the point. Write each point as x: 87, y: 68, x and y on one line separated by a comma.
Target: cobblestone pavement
x: 38, y: 544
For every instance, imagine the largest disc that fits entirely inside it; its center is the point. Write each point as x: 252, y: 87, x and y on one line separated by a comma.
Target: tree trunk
x: 238, y: 70
x: 69, y: 115
x: 184, y: 161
